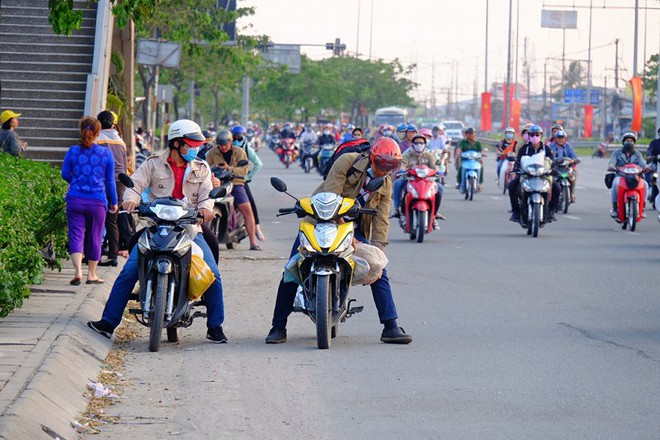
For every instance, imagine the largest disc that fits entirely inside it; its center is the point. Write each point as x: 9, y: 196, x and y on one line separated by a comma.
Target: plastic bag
x: 291, y: 274
x: 201, y: 276
x: 376, y: 261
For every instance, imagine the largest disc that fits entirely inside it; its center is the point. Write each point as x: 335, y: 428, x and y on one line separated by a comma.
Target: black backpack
x: 361, y: 146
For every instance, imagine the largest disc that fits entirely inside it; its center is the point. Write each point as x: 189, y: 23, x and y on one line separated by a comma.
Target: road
x: 556, y: 337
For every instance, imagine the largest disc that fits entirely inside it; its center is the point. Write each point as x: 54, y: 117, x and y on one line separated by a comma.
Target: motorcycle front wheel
x: 566, y: 195
x: 157, y: 315
x: 632, y: 214
x: 421, y: 228
x: 323, y: 312
x: 536, y: 219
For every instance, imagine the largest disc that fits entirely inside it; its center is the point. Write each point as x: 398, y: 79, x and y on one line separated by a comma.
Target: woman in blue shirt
x: 89, y: 170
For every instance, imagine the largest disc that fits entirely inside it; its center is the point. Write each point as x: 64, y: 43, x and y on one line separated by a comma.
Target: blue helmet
x: 401, y: 127
x: 238, y: 129
x: 535, y: 129
x: 411, y: 127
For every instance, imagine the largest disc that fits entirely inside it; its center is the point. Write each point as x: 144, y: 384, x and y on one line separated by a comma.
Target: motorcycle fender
x: 323, y: 271
x: 564, y: 182
x: 536, y: 198
x: 421, y: 205
x: 164, y: 266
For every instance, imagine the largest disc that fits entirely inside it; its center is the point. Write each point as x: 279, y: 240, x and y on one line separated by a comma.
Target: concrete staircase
x: 43, y: 76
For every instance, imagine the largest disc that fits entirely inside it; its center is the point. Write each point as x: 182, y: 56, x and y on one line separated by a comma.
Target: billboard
x: 559, y: 19
x: 288, y: 54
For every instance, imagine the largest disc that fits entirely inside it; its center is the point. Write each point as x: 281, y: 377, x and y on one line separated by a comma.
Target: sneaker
x: 102, y: 327
x: 395, y: 335
x: 276, y: 336
x: 515, y: 217
x: 551, y: 216
x: 436, y: 226
x: 614, y: 213
x: 216, y: 335
x: 458, y: 186
x: 396, y: 214
x: 440, y: 217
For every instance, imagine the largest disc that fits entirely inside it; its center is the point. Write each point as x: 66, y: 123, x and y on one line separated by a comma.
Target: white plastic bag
x: 376, y: 260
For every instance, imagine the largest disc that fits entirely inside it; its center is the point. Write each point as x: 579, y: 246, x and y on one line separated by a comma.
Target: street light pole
x: 635, y: 46
x: 508, y: 71
x: 486, y: 60
x: 589, y: 62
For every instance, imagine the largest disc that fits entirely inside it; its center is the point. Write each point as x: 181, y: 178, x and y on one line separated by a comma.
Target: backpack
x: 361, y: 146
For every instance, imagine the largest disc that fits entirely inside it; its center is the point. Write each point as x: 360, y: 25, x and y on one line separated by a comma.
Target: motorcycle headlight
x: 168, y: 213
x: 422, y: 172
x: 305, y: 244
x: 345, y: 244
x: 411, y: 190
x: 326, y: 234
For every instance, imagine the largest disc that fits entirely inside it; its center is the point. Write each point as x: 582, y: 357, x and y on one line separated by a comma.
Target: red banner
x: 516, y: 108
x: 588, y: 121
x: 507, y: 102
x: 636, y: 85
x: 486, y: 114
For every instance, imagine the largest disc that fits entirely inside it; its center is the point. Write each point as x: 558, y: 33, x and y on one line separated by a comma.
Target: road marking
x: 580, y: 187
x: 572, y: 217
x: 495, y: 198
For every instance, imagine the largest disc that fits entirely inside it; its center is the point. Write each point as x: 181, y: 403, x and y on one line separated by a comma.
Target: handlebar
x: 287, y: 210
x: 368, y: 211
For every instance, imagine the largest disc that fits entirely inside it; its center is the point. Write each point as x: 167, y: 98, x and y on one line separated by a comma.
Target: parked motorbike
x: 470, y: 167
x: 418, y: 205
x: 324, y: 266
x: 326, y: 152
x: 308, y: 155
x: 287, y: 151
x: 164, y: 260
x: 565, y: 170
x: 630, y: 198
x: 228, y: 225
x: 534, y: 191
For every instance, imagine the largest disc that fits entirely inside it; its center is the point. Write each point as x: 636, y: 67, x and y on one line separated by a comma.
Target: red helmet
x: 426, y: 133
x: 386, y: 155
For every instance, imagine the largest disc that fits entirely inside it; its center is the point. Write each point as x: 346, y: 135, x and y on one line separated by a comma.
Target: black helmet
x: 223, y: 137
x: 629, y: 135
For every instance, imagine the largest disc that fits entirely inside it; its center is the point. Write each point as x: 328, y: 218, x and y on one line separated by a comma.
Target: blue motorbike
x: 326, y: 152
x: 470, y: 169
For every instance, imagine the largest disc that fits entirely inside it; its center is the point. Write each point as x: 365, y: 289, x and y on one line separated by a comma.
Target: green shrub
x: 32, y: 214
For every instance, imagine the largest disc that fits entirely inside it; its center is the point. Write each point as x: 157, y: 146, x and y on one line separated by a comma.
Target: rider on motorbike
x: 417, y: 155
x: 287, y: 132
x: 468, y: 144
x: 506, y: 146
x: 227, y: 156
x: 411, y: 131
x: 653, y: 151
x: 176, y: 173
x: 555, y: 128
x: 326, y: 137
x: 562, y: 149
x: 531, y: 148
x: 239, y: 140
x: 401, y: 132
x: 621, y: 157
x: 438, y: 139
x: 348, y: 177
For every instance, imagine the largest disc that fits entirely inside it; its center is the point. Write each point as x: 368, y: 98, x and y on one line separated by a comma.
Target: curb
x: 48, y: 391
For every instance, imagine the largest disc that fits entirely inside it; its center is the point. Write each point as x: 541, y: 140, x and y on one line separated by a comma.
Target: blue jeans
x: 126, y: 280
x: 381, y: 291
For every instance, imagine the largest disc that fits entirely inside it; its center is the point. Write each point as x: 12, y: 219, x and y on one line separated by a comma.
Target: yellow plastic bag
x: 201, y: 276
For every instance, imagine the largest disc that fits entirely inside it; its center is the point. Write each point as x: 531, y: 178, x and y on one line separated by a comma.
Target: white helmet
x: 187, y: 130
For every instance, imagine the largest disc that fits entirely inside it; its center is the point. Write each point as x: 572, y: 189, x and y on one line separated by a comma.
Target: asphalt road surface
x: 555, y: 337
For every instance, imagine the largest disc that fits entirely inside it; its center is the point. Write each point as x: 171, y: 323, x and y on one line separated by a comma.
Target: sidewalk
x: 48, y: 355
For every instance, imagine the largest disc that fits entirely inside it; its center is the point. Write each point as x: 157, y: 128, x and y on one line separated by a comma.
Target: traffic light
x: 337, y: 47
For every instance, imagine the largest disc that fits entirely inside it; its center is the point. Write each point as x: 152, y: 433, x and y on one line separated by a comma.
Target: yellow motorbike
x: 325, y: 266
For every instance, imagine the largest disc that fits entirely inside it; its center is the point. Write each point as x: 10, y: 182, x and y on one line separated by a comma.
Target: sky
x: 446, y: 39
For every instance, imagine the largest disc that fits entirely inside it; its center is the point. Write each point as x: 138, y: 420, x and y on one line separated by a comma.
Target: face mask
x: 237, y: 143
x: 628, y: 146
x: 525, y: 136
x: 387, y: 132
x: 190, y: 155
x: 509, y: 136
x: 326, y: 132
x: 418, y: 147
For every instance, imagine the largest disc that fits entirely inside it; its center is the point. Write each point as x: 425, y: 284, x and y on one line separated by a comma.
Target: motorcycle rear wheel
x: 323, y: 312
x: 157, y: 315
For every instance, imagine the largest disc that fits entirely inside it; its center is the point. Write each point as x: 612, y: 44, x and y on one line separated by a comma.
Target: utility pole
x: 603, y: 124
x: 433, y: 103
x: 486, y: 60
x: 507, y: 102
x: 635, y: 46
x: 657, y: 93
x: 589, y: 66
x: 616, y: 64
x: 357, y: 44
x: 515, y: 81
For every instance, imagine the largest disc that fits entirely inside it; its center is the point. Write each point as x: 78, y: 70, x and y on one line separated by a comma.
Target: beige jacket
x: 214, y: 157
x: 375, y: 228
x: 411, y: 159
x: 156, y: 174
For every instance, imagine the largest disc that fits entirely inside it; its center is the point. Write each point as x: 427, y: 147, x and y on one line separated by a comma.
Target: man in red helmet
x: 348, y: 177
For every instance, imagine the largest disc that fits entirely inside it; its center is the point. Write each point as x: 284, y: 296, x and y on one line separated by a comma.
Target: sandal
x: 96, y: 281
x: 256, y: 247
x: 75, y: 282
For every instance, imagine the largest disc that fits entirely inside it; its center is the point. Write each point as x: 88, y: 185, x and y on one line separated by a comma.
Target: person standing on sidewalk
x: 109, y: 137
x: 89, y: 170
x: 9, y: 140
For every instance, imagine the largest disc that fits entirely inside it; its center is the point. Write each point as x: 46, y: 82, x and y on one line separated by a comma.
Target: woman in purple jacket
x: 89, y: 169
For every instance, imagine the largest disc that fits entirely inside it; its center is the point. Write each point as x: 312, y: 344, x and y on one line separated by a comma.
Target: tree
x: 650, y: 76
x: 64, y: 18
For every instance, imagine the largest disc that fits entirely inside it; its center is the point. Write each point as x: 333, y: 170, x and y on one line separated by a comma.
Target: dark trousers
x: 380, y: 290
x: 112, y: 227
x: 513, y: 195
x: 252, y: 204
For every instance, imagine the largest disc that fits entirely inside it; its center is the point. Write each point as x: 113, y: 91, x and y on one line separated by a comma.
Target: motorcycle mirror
x: 127, y: 181
x: 218, y: 192
x: 375, y: 184
x: 278, y: 184
x: 242, y: 163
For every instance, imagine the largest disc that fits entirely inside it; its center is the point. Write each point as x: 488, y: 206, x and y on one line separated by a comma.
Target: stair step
x: 44, y: 94
x: 27, y: 86
x: 9, y: 75
x: 18, y: 21
x: 49, y: 48
x: 52, y: 122
x: 38, y: 113
x: 47, y: 58
x: 36, y: 39
x: 51, y: 68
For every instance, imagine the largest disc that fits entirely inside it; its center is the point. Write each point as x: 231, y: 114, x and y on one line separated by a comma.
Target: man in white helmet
x: 176, y: 173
